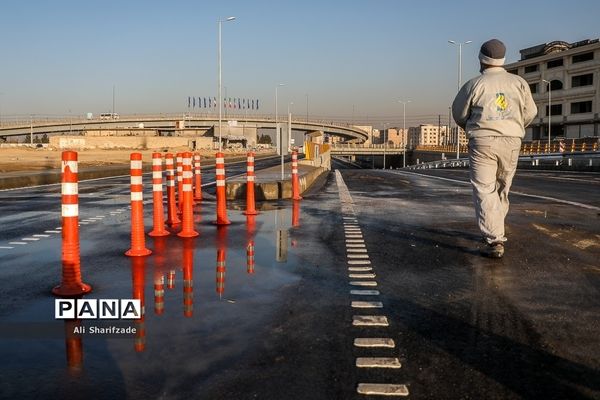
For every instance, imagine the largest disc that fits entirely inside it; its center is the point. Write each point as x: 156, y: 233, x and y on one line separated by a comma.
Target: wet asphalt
x: 465, y: 327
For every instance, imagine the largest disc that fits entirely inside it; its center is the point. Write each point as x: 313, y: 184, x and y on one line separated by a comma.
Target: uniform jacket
x: 496, y: 103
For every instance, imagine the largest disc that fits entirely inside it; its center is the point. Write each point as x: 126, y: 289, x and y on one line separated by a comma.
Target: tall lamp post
x: 549, y: 111
x: 291, y: 103
x: 220, y: 22
x: 278, y: 136
x: 1, y: 94
x: 460, y: 44
x: 404, y: 136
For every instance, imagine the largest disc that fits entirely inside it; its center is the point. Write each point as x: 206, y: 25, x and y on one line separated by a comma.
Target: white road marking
x: 359, y: 262
x: 6, y: 247
x: 355, y: 241
x: 382, y: 389
x: 19, y: 243
x: 535, y: 196
x: 362, y: 276
x: 363, y: 292
x: 58, y: 228
x: 41, y: 236
x: 363, y: 283
x: 367, y: 304
x: 51, y: 231
x: 354, y: 236
x: 355, y: 245
x: 374, y: 342
x: 30, y: 239
x: 359, y: 269
x: 351, y: 250
x: 364, y: 256
x: 369, y: 320
x: 378, y: 362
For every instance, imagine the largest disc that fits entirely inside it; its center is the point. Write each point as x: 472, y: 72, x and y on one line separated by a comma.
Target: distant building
x: 429, y: 135
x: 393, y: 136
x: 573, y: 70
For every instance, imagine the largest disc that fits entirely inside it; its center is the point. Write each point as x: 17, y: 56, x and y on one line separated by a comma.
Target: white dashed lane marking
x: 359, y: 269
x: 30, y: 239
x: 6, y: 247
x: 378, y: 362
x: 382, y: 389
x: 361, y: 276
x: 374, y: 342
x: 51, y: 231
x: 365, y: 292
x: 359, y: 262
x: 370, y: 320
x: 363, y: 283
x: 19, y: 243
x: 367, y: 304
x: 41, y: 236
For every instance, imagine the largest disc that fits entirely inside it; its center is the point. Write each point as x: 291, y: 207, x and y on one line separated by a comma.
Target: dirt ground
x: 27, y: 159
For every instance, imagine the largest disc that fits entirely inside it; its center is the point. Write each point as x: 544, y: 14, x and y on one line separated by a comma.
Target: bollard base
x: 250, y: 212
x: 138, y: 252
x: 297, y: 198
x: 159, y: 232
x: 71, y: 290
x: 222, y: 222
x: 188, y: 234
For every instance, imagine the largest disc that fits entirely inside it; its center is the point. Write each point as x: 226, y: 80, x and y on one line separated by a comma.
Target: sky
x: 353, y: 60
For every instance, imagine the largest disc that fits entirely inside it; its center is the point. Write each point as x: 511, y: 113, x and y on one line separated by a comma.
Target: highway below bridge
x: 371, y: 285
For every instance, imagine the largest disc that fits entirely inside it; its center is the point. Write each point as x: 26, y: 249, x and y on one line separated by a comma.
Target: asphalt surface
x: 463, y: 326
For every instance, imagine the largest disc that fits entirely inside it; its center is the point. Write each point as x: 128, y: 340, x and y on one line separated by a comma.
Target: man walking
x: 493, y: 109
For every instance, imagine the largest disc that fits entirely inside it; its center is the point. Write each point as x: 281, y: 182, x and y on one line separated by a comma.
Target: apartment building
x: 565, y: 82
x: 428, y: 135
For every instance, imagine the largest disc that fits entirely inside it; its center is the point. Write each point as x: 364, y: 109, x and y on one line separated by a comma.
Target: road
x: 460, y: 326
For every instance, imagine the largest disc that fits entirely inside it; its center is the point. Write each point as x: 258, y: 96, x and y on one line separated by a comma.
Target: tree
x: 264, y: 139
x: 45, y: 138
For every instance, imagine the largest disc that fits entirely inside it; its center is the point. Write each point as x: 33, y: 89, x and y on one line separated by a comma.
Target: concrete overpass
x: 171, y: 121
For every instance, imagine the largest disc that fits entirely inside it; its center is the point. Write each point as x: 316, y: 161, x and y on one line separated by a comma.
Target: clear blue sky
x: 60, y: 55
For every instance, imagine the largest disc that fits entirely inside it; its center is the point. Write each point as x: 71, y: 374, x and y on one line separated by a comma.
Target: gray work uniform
x: 493, y: 109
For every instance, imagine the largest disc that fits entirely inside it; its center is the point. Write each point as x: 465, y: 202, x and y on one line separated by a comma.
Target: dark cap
x: 492, y: 53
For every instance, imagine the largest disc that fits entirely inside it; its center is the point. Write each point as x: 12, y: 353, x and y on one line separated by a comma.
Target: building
x: 572, y: 99
x: 429, y: 135
x: 394, y: 136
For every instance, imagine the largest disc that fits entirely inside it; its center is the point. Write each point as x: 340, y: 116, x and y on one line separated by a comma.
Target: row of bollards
x: 178, y: 202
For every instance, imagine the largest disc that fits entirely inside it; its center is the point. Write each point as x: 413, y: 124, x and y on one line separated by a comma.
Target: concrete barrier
x: 269, y: 187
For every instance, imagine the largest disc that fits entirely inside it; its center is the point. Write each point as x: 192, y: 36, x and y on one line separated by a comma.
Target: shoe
x: 493, y: 250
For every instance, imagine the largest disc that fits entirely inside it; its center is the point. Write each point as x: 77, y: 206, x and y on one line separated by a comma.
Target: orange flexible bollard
x: 157, y: 198
x: 250, y: 177
x: 179, y: 160
x: 172, y: 218
x: 198, y: 177
x: 187, y: 226
x: 138, y: 282
x: 221, y: 197
x: 188, y: 277
x: 295, y: 180
x: 71, y: 284
x: 138, y: 240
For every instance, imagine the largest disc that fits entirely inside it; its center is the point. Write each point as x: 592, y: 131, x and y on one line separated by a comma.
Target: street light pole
x: 220, y: 81
x: 1, y: 94
x: 459, y: 85
x: 290, y: 127
x: 278, y: 136
x: 549, y: 111
x: 404, y: 138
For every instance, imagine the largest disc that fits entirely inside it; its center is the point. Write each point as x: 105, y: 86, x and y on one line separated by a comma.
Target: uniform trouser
x: 493, y: 162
